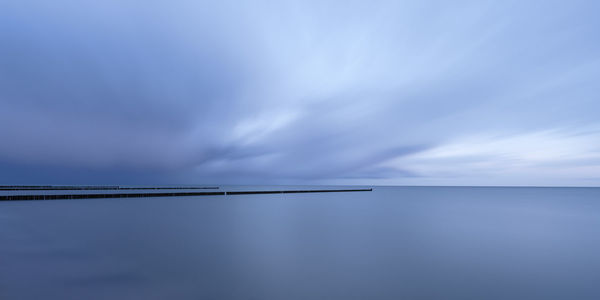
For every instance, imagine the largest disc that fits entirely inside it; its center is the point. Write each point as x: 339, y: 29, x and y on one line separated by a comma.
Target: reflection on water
x: 392, y: 243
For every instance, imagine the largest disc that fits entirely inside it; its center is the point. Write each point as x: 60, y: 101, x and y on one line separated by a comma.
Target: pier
x: 173, y: 194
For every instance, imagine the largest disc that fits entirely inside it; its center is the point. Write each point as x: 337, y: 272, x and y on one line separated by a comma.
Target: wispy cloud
x: 564, y: 157
x: 391, y: 92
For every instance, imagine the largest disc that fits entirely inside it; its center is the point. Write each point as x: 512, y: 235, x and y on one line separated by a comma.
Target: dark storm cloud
x: 389, y: 92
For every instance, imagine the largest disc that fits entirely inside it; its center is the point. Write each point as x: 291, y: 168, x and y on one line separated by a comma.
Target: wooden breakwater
x: 174, y: 194
x: 96, y: 188
x: 295, y: 191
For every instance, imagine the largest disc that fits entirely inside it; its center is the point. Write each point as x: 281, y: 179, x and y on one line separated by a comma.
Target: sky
x: 300, y: 92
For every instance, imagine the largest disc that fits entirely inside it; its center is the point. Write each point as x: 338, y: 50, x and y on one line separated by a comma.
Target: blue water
x: 392, y: 243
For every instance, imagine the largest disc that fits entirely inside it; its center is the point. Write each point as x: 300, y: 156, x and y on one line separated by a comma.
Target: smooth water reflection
x: 406, y: 242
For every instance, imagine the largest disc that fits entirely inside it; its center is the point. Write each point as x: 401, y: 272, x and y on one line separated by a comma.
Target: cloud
x: 297, y: 92
x: 566, y: 156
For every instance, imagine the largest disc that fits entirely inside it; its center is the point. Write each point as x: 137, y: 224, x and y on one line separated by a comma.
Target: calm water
x: 392, y: 243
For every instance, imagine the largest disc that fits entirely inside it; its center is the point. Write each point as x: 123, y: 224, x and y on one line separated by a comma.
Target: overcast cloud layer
x: 335, y: 92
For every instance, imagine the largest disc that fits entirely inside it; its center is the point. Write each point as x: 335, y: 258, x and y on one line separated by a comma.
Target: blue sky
x: 300, y: 92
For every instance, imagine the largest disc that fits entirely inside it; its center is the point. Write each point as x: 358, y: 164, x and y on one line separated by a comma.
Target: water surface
x: 392, y: 243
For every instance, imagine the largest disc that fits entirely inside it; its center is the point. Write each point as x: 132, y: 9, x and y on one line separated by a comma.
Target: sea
x: 389, y: 243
